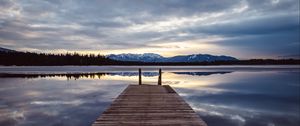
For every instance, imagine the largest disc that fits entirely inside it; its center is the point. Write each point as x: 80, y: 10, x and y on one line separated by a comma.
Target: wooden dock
x: 149, y: 105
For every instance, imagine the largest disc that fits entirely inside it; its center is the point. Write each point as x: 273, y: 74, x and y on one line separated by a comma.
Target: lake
x: 221, y: 95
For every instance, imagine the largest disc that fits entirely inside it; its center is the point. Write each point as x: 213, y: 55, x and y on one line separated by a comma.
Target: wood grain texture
x: 149, y: 105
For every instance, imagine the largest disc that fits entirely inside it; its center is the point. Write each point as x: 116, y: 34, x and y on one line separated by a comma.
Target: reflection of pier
x: 142, y: 104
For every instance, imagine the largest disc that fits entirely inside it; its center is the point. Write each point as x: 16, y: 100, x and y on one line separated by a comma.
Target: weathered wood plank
x: 149, y: 105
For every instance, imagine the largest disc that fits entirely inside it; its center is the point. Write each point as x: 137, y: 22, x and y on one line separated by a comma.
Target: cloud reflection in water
x: 235, y: 98
x: 247, y: 98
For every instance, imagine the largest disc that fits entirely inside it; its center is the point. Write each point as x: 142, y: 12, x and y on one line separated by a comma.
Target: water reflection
x: 54, y: 101
x: 99, y: 75
x: 233, y: 98
x: 203, y: 73
x: 67, y: 75
x: 247, y: 98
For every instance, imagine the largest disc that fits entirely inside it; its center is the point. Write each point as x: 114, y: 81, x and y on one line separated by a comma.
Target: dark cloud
x: 5, y: 3
x: 273, y: 5
x: 130, y: 24
x: 274, y: 45
x: 104, y: 24
x: 11, y: 35
x: 253, y: 26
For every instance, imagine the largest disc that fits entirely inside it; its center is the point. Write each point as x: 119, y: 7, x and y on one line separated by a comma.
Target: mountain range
x: 152, y: 57
x: 6, y: 50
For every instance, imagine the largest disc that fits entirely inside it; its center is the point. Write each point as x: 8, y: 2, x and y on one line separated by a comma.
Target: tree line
x: 43, y: 59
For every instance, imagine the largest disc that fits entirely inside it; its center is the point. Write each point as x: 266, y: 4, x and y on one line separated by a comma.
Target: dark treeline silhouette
x: 69, y: 76
x: 42, y: 59
x: 28, y: 59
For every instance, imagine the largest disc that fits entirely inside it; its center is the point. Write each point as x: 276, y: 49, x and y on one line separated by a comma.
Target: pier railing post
x: 159, y: 76
x: 140, y: 76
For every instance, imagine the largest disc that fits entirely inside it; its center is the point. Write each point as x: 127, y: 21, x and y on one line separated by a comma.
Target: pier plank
x: 149, y: 105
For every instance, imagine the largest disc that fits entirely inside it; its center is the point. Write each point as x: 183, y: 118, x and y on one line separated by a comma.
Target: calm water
x: 76, y: 96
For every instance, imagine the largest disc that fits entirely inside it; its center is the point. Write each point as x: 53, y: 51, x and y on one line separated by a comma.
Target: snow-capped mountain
x: 146, y: 57
x: 199, y: 58
x: 151, y: 57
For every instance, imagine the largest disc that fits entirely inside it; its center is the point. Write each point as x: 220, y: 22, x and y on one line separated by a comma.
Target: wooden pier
x: 149, y: 105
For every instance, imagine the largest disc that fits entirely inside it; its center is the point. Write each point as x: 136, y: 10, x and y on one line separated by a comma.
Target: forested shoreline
x: 43, y: 59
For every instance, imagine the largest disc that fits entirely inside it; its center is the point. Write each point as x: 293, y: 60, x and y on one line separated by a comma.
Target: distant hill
x: 292, y: 56
x: 10, y: 57
x: 6, y: 50
x: 152, y: 57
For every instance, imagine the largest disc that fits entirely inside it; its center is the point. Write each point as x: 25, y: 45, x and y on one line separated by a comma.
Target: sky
x: 240, y: 28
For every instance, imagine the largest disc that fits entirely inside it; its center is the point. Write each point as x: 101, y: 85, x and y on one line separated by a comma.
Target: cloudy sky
x: 241, y: 28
